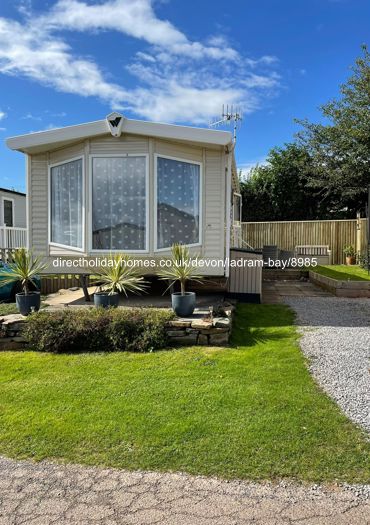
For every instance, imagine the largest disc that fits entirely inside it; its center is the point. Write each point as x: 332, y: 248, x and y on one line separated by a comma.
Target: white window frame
x: 56, y: 244
x: 236, y: 194
x: 187, y: 161
x: 147, y: 199
x: 13, y: 209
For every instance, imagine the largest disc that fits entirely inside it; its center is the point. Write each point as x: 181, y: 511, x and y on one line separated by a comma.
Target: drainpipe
x: 229, y: 151
x: 28, y: 188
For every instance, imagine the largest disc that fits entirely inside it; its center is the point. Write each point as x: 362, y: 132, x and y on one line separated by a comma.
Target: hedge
x: 74, y: 330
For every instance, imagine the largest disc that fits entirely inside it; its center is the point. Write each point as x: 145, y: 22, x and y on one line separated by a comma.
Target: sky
x: 64, y: 62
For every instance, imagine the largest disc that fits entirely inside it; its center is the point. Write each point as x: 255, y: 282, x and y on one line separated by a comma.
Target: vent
x: 115, y: 123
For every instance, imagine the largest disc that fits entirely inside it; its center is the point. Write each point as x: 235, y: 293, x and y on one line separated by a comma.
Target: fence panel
x: 53, y: 283
x: 288, y: 234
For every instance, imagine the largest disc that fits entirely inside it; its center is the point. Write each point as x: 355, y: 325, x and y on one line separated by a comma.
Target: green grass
x: 8, y: 308
x: 11, y: 308
x: 250, y: 411
x: 342, y: 272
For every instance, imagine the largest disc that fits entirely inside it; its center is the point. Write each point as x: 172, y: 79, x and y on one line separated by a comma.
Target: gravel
x: 336, y: 340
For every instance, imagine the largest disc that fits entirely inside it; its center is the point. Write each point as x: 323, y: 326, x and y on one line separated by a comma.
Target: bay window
x: 178, y: 202
x: 119, y: 210
x: 66, y: 204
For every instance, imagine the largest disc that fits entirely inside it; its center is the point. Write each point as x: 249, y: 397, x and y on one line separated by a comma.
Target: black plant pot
x: 28, y: 303
x: 183, y: 305
x: 105, y: 300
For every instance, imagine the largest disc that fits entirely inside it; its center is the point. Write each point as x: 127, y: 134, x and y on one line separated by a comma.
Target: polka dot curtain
x: 178, y: 194
x: 66, y: 204
x: 119, y: 203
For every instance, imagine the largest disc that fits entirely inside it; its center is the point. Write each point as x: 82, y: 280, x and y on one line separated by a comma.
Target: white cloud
x: 190, y: 95
x: 134, y: 18
x: 245, y: 168
x: 177, y: 79
x: 30, y: 116
x: 39, y: 56
x: 2, y: 115
x: 24, y: 7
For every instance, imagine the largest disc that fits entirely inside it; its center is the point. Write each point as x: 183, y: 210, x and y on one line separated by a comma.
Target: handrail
x: 12, y: 237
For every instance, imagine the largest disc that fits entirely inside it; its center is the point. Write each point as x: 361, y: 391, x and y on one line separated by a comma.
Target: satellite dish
x: 115, y: 123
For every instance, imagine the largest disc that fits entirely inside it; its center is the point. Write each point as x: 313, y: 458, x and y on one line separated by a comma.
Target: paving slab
x: 274, y: 292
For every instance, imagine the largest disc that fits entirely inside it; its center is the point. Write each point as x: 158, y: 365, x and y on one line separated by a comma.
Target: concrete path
x: 75, y: 297
x: 46, y: 493
x: 274, y: 292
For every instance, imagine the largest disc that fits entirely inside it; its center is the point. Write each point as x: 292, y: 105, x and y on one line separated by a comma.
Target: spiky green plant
x: 181, y: 268
x: 349, y: 251
x: 119, y: 275
x: 23, y: 268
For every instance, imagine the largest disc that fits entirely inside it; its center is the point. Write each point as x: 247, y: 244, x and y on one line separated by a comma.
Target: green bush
x: 363, y: 260
x: 74, y: 330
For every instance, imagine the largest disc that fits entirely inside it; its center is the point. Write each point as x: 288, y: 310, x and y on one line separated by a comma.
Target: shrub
x: 363, y: 260
x: 74, y: 330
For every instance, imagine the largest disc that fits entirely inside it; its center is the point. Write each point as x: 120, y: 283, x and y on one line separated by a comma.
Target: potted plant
x: 118, y: 275
x: 182, y: 270
x: 350, y: 254
x: 24, y: 269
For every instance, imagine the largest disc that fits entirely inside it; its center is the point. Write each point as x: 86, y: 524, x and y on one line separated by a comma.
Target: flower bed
x: 73, y: 330
x: 341, y: 288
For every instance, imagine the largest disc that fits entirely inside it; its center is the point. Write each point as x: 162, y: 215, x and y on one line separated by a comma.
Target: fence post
x: 358, y: 232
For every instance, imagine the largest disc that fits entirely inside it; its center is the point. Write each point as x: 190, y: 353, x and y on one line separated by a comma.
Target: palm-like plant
x: 23, y: 268
x: 181, y: 268
x: 119, y: 276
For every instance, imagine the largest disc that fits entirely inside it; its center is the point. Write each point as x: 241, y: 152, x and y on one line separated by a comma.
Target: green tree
x: 279, y: 190
x: 256, y: 193
x: 340, y: 149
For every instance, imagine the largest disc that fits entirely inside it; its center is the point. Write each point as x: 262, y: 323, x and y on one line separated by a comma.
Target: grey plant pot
x: 106, y: 300
x: 183, y: 305
x: 28, y: 303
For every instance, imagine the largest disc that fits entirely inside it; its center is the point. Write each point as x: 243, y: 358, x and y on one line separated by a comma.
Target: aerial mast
x: 230, y: 116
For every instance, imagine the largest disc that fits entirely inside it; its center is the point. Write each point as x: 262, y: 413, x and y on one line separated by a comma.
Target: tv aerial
x: 231, y: 115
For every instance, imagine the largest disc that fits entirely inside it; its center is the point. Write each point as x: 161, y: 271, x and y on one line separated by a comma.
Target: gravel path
x: 45, y: 494
x: 336, y: 339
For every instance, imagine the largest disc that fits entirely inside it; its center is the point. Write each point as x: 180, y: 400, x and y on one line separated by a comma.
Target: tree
x: 279, y: 190
x: 341, y: 149
x: 256, y: 193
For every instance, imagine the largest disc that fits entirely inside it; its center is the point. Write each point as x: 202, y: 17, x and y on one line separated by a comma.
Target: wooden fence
x: 53, y: 283
x: 288, y: 234
x: 49, y: 283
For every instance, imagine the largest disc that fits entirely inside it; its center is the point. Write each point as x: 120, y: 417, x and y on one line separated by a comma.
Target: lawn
x: 250, y: 411
x: 8, y: 308
x: 342, y: 272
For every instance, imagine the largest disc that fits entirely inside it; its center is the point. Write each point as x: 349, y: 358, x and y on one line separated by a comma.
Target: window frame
x: 155, y: 204
x: 83, y: 221
x: 239, y: 195
x: 147, y: 200
x: 10, y: 199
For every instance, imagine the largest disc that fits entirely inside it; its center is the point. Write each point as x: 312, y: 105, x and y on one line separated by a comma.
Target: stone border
x: 11, y: 332
x: 341, y: 288
x: 201, y: 329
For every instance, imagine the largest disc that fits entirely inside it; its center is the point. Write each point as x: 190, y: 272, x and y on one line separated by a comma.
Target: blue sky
x: 65, y: 62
